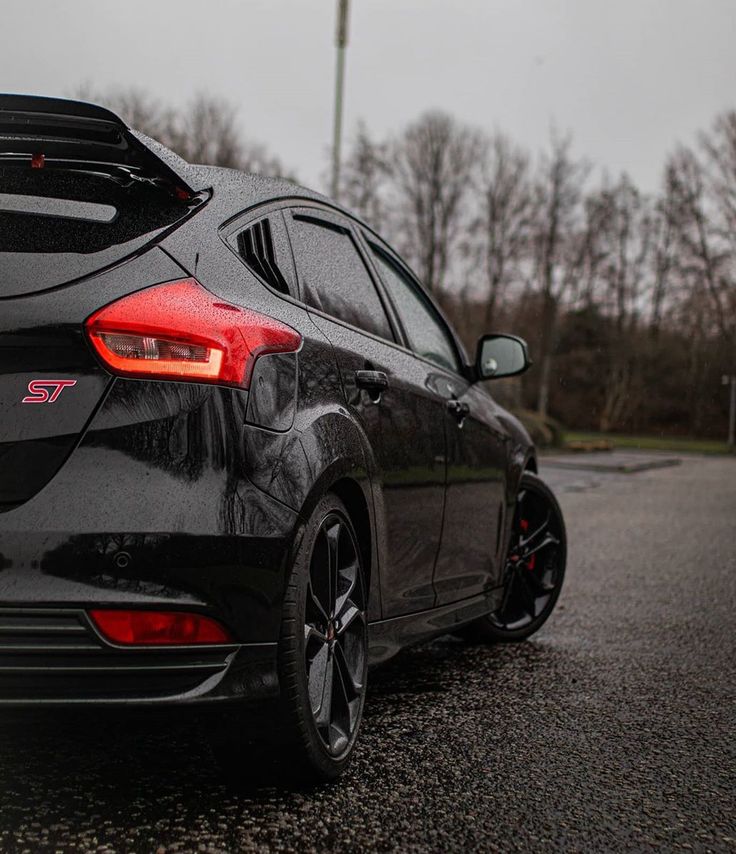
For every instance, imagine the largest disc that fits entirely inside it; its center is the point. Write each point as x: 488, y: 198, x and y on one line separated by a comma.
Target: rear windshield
x: 139, y: 206
x: 59, y: 225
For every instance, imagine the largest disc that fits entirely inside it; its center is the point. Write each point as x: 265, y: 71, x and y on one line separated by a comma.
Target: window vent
x: 255, y: 245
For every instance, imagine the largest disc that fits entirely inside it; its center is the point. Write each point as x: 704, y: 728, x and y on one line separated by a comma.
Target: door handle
x: 458, y: 408
x: 371, y: 380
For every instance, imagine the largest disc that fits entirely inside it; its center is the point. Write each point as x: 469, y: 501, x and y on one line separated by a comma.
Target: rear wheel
x: 534, y: 568
x: 322, y: 660
x: 324, y: 642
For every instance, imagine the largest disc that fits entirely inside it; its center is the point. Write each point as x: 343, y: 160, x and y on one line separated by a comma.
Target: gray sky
x: 629, y: 78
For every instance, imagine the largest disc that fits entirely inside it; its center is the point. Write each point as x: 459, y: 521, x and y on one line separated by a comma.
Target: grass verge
x: 653, y: 443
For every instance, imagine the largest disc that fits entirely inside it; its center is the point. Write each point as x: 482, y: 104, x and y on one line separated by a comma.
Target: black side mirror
x: 501, y: 356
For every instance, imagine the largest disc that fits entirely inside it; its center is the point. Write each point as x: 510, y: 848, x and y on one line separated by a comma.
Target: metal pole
x: 732, y: 415
x: 341, y: 42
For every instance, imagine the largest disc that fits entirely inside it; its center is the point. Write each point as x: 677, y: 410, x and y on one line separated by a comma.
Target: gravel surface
x: 613, y: 729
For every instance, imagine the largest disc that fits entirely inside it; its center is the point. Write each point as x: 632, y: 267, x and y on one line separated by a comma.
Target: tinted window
x: 333, y: 277
x: 426, y: 332
x: 264, y: 247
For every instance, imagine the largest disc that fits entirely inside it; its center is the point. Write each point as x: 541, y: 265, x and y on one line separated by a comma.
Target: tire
x: 534, y: 567
x: 322, y: 664
x: 324, y: 749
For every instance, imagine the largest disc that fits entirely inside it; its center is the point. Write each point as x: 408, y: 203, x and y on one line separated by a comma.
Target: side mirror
x: 501, y: 356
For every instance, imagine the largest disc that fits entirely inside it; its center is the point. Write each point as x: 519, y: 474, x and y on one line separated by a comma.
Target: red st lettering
x: 46, y: 391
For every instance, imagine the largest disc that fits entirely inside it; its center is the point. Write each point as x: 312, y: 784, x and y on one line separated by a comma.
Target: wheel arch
x: 353, y: 487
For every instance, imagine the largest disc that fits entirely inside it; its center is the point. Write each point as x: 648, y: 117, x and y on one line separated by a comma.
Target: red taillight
x: 181, y: 331
x: 159, y: 628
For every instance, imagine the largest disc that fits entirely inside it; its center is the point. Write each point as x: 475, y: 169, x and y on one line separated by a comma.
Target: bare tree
x: 136, y: 107
x: 719, y: 147
x: 665, y: 224
x: 204, y: 131
x: 705, y: 258
x: 720, y: 166
x: 557, y: 259
x: 625, y: 232
x: 431, y: 166
x: 504, y: 219
x: 364, y: 176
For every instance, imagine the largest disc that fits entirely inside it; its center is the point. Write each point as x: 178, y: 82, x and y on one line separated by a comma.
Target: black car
x: 243, y: 455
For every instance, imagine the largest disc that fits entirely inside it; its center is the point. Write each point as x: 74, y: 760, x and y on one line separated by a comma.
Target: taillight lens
x: 159, y: 628
x: 181, y: 331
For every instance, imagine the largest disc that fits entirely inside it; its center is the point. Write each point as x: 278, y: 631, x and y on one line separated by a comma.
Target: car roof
x: 237, y: 190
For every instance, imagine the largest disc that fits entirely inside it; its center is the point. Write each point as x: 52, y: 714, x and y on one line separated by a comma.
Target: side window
x: 333, y: 277
x: 426, y: 332
x: 264, y: 246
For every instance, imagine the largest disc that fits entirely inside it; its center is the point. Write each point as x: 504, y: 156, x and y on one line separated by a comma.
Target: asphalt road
x: 613, y: 729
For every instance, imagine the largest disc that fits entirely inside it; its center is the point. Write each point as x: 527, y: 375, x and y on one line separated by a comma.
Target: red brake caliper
x: 524, y: 525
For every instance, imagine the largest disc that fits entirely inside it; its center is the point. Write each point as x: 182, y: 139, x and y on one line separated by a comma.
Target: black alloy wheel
x: 534, y: 568
x: 335, y: 634
x: 308, y: 737
x: 324, y: 643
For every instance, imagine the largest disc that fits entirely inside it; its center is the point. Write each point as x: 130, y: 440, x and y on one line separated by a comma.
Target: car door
x: 391, y: 396
x: 467, y: 562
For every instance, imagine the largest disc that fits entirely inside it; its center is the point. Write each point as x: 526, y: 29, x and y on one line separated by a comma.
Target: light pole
x: 731, y: 381
x: 341, y: 42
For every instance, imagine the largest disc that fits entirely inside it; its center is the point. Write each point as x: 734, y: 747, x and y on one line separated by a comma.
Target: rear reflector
x: 181, y: 331
x: 159, y: 628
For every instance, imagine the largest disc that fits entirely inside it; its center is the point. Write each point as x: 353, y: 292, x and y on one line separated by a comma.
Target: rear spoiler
x: 73, y: 132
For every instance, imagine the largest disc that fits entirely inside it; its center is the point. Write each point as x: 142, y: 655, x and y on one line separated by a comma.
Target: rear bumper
x: 54, y: 656
x: 152, y: 510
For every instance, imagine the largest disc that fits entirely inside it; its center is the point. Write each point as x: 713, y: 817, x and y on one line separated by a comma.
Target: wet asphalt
x: 612, y: 729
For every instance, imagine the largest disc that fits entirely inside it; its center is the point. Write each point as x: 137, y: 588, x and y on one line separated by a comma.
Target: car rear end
x: 137, y: 563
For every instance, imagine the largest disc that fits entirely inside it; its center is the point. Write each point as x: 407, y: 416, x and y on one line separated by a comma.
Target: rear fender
x: 299, y: 467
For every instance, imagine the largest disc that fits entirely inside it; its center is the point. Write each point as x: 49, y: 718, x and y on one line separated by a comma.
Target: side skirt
x: 388, y: 637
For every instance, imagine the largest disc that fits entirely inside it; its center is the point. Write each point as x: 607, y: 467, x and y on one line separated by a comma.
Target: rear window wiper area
x: 60, y: 208
x: 53, y: 209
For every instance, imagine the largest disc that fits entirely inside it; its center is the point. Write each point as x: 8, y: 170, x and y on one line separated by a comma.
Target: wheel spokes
x: 527, y: 597
x: 332, y: 535
x: 313, y: 637
x: 540, y: 588
x: 511, y: 578
x: 319, y: 679
x: 524, y: 541
x: 351, y: 672
x: 314, y: 605
x: 347, y: 578
x: 350, y: 689
x: 319, y: 594
x: 549, y: 540
x: 344, y: 618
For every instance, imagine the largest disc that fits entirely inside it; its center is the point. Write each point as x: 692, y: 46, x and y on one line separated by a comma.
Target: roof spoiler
x: 77, y: 132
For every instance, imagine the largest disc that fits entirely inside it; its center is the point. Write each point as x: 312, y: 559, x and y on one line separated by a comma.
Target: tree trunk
x: 549, y: 323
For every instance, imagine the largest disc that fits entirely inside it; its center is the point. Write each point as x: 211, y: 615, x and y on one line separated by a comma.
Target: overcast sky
x: 629, y: 78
